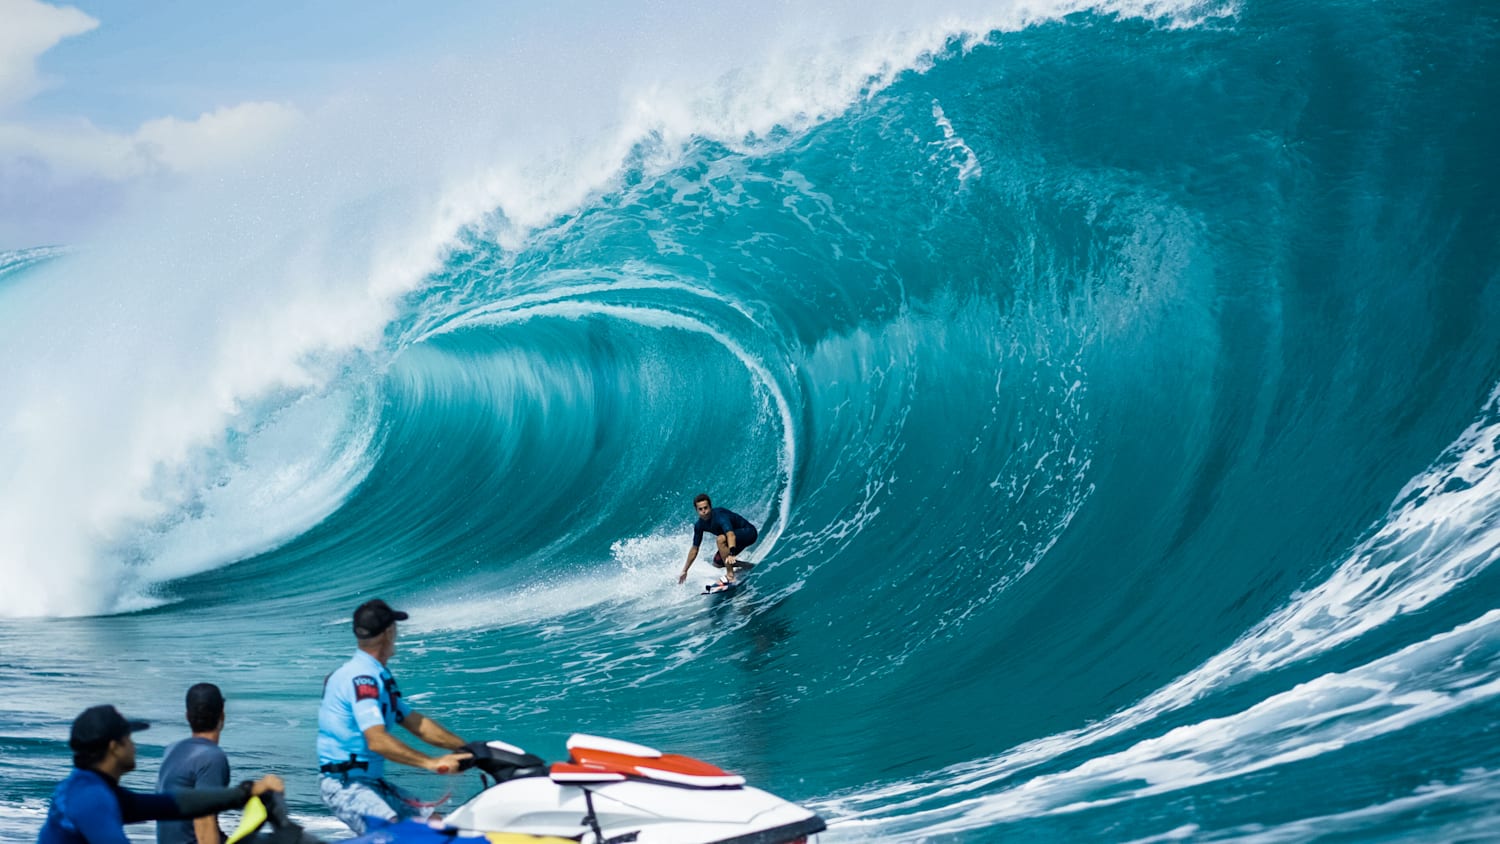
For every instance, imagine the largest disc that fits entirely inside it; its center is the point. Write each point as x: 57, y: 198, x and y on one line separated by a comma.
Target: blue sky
x: 102, y: 98
x: 153, y: 58
x: 103, y: 102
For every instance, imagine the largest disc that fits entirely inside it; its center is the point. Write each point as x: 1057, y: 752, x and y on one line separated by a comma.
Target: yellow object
x: 255, y: 815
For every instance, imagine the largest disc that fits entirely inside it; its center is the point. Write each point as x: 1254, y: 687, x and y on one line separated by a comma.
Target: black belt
x: 344, y: 767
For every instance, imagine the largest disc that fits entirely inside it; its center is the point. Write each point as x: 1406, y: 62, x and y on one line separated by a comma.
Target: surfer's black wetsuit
x: 720, y: 521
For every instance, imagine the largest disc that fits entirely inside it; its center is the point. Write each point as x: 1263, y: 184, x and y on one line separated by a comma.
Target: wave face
x: 1117, y: 398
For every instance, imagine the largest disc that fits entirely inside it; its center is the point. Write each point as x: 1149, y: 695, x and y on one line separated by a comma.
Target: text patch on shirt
x: 365, y: 688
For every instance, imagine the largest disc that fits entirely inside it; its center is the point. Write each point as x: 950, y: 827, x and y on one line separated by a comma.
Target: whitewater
x: 1116, y: 386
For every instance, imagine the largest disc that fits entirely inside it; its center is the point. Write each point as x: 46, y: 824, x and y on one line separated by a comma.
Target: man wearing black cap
x: 195, y: 762
x: 90, y: 806
x: 360, y: 706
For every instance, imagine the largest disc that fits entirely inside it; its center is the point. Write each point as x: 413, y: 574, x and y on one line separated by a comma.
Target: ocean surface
x: 1115, y: 388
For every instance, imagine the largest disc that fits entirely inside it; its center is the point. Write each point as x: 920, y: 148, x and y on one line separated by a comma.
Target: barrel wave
x: 1116, y: 394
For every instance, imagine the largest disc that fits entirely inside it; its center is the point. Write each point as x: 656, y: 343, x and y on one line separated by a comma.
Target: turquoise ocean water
x: 1116, y: 390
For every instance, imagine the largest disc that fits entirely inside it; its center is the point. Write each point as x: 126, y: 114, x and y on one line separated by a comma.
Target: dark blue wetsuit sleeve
x: 697, y: 533
x: 198, y: 802
x: 148, y: 807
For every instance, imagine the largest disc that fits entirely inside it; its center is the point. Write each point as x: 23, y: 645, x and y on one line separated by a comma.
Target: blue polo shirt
x: 361, y: 694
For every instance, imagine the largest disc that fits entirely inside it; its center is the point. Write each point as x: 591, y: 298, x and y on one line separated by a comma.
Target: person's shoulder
x: 83, y: 787
x: 186, y: 757
x: 174, y: 750
x: 211, y: 761
x: 87, y: 778
x: 339, y: 684
x: 77, y: 778
x: 203, y: 748
x: 353, y: 665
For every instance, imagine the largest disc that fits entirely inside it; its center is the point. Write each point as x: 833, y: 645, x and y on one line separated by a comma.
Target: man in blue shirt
x: 732, y: 532
x: 90, y: 806
x: 194, y: 762
x: 361, y: 704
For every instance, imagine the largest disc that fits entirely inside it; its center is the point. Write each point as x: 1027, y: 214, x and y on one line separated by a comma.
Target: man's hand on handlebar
x: 449, y: 763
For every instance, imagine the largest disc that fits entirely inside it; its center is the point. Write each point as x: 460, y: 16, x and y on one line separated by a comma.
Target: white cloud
x: 59, y: 180
x: 227, y: 134
x: 73, y: 149
x: 29, y: 29
x: 164, y: 146
x: 58, y: 177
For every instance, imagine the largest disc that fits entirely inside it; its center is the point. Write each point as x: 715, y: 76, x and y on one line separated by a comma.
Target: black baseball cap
x: 373, y: 617
x: 99, y: 725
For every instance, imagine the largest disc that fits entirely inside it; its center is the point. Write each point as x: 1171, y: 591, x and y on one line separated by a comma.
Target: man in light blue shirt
x: 361, y: 704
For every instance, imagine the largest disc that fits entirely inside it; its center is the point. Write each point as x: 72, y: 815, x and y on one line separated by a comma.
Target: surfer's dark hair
x: 702, y: 496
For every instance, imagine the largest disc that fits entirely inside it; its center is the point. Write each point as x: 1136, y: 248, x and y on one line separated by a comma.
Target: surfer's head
x: 703, y: 504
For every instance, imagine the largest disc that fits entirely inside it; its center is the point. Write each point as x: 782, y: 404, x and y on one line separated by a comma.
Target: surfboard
x: 717, y: 586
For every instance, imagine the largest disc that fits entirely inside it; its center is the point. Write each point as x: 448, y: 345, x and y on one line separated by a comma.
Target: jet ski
x: 612, y: 791
x: 607, y: 792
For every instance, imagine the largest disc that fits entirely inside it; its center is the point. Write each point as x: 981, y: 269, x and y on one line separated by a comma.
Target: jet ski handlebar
x: 502, y: 761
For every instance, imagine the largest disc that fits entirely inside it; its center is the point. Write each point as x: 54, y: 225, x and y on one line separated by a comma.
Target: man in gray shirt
x: 196, y: 762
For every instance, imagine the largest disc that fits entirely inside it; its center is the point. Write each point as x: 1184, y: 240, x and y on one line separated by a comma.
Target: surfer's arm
x: 692, y: 555
x: 381, y: 741
x: 726, y: 550
x: 431, y: 731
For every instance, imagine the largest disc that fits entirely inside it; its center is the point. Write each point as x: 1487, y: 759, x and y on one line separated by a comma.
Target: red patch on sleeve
x: 365, y: 688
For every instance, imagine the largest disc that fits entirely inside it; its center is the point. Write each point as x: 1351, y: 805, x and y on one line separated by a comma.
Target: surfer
x: 732, y: 532
x: 91, y: 807
x: 360, y: 706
